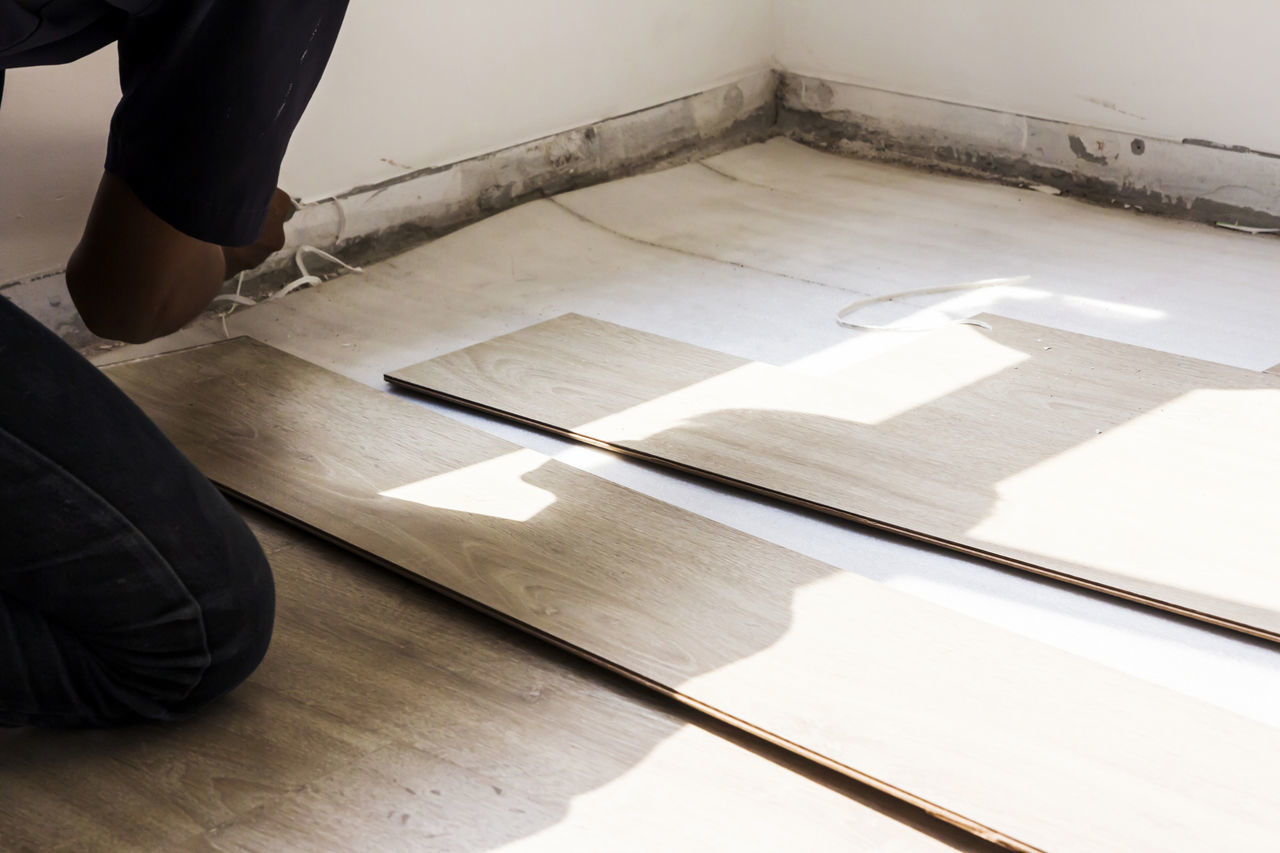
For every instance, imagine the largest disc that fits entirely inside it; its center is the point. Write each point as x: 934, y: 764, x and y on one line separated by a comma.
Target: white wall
x: 436, y: 82
x: 53, y: 139
x: 1165, y: 68
x: 412, y: 83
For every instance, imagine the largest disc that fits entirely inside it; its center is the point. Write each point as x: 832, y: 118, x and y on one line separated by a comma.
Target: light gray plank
x: 1135, y: 473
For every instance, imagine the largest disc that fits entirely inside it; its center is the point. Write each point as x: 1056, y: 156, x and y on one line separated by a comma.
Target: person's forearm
x: 133, y: 277
x: 120, y: 302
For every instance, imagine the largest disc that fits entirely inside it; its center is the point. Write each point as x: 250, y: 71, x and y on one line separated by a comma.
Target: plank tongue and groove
x: 1136, y: 473
x: 1007, y: 738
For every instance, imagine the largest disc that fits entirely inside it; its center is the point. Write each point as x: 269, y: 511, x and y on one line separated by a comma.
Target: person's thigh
x: 129, y: 588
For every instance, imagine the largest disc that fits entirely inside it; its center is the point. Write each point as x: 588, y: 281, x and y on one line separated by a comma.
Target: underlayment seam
x: 737, y: 179
x: 698, y: 255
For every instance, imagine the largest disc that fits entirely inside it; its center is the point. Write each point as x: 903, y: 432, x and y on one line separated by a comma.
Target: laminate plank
x: 1135, y: 473
x: 694, y: 793
x: 385, y: 717
x: 1000, y: 735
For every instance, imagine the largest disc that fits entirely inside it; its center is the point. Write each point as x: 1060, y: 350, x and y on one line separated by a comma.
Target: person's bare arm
x: 134, y: 277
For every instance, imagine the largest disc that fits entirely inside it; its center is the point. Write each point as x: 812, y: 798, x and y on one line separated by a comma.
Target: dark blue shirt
x: 211, y: 91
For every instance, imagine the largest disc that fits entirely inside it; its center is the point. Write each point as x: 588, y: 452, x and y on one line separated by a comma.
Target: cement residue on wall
x: 1191, y: 181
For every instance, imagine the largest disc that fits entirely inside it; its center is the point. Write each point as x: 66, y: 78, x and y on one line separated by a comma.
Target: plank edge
x: 942, y: 813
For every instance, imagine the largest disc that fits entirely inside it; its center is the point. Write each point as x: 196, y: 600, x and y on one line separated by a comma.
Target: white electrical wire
x: 307, y: 278
x: 342, y: 219
x: 852, y: 307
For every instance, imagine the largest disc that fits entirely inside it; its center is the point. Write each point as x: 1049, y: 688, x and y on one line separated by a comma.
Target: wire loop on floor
x: 852, y: 307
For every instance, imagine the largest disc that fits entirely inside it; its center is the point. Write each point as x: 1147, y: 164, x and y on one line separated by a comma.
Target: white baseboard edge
x: 369, y: 223
x: 1190, y: 179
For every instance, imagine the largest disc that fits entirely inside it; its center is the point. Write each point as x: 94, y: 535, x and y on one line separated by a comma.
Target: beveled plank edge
x: 106, y: 368
x: 863, y: 520
x: 942, y: 813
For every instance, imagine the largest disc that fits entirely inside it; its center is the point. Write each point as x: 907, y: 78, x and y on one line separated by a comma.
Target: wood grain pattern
x: 386, y: 718
x: 1143, y: 475
x: 1000, y: 735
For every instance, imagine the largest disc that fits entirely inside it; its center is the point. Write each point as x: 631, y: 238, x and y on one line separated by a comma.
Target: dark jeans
x: 130, y: 590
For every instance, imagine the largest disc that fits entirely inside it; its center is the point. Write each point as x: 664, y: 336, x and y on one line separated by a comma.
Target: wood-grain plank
x: 385, y: 717
x: 1135, y: 473
x: 1001, y: 735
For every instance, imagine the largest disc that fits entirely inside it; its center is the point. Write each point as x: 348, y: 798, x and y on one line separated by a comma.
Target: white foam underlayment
x: 752, y: 252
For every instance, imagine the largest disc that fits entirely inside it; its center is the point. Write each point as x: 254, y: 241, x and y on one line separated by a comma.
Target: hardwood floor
x: 387, y: 718
x: 1131, y: 472
x: 1042, y: 749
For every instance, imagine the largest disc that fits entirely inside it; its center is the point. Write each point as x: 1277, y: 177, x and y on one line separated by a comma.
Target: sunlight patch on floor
x: 763, y: 387
x: 1081, y: 505
x: 493, y: 488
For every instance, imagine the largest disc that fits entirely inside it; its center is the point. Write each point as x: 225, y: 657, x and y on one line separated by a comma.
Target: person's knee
x: 180, y: 673
x: 239, y: 620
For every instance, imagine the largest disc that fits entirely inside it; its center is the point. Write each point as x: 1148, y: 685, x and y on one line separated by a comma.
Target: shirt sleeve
x: 211, y: 93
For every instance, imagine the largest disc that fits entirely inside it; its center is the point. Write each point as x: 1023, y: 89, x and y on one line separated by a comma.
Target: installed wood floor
x: 1133, y: 472
x: 387, y: 718
x: 1042, y: 749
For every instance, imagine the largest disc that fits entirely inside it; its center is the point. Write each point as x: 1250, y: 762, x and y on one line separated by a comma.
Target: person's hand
x: 239, y: 258
x: 134, y: 277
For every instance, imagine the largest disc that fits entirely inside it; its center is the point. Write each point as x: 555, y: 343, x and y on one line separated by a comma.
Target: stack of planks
x: 1007, y: 739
